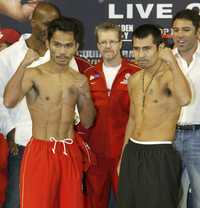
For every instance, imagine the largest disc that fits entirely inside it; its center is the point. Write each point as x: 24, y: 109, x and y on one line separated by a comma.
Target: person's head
x: 8, y: 36
x: 63, y: 39
x: 109, y: 41
x: 185, y: 26
x: 146, y: 41
x: 43, y: 14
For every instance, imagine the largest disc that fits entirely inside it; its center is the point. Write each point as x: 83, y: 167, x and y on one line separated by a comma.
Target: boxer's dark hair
x: 145, y: 30
x: 64, y: 24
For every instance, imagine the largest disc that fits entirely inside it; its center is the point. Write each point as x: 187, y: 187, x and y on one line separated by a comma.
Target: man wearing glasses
x: 108, y: 83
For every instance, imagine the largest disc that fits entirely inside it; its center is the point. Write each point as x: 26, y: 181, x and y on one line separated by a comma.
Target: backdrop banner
x: 126, y: 13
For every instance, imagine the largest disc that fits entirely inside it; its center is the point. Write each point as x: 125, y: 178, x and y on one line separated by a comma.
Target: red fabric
x: 99, y: 180
x: 9, y: 35
x: 82, y: 63
x: 49, y: 180
x: 88, y: 157
x: 3, y: 167
x: 106, y: 137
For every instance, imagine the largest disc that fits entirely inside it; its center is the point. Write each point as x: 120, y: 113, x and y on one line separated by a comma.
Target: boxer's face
x: 62, y: 47
x: 145, y: 51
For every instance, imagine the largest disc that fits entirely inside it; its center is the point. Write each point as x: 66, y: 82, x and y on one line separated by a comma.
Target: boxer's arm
x: 180, y: 85
x: 21, y: 82
x: 85, y: 105
x: 17, y: 87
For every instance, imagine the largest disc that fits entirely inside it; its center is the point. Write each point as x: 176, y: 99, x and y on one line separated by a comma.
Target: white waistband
x: 150, y: 142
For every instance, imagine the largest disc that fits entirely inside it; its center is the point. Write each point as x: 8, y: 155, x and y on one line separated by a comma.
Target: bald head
x: 43, y: 14
x: 44, y: 9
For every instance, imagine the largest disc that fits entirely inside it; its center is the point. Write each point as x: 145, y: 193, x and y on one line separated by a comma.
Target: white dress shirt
x: 190, y: 114
x: 19, y: 116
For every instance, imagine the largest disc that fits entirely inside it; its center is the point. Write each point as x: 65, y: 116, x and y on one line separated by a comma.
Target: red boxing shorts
x: 51, y: 173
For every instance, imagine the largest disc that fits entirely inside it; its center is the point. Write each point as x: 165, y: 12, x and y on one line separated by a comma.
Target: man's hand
x: 18, y: 11
x: 166, y: 55
x: 13, y: 148
x: 28, y: 8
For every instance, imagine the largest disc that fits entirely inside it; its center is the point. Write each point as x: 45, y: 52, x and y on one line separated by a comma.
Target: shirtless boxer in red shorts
x: 52, y: 166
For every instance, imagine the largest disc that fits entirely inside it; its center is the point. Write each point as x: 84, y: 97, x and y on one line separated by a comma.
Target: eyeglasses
x: 110, y: 43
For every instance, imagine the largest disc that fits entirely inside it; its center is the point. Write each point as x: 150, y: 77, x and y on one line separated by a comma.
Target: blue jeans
x: 185, y: 200
x: 12, y: 193
x: 188, y: 144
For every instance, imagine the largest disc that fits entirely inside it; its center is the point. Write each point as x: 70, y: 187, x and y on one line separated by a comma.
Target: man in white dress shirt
x: 187, y: 52
x: 8, y: 36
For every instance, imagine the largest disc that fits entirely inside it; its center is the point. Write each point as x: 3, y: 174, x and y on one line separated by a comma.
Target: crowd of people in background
x: 118, y: 134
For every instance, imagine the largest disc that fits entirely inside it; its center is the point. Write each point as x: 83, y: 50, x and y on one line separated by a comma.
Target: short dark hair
x: 145, y: 30
x: 64, y: 24
x: 188, y: 14
x: 106, y: 26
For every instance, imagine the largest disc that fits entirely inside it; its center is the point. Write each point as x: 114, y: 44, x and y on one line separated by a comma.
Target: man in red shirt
x: 108, y: 83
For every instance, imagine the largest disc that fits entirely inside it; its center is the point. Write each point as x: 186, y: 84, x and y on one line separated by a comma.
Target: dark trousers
x: 149, y: 176
x: 12, y: 193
